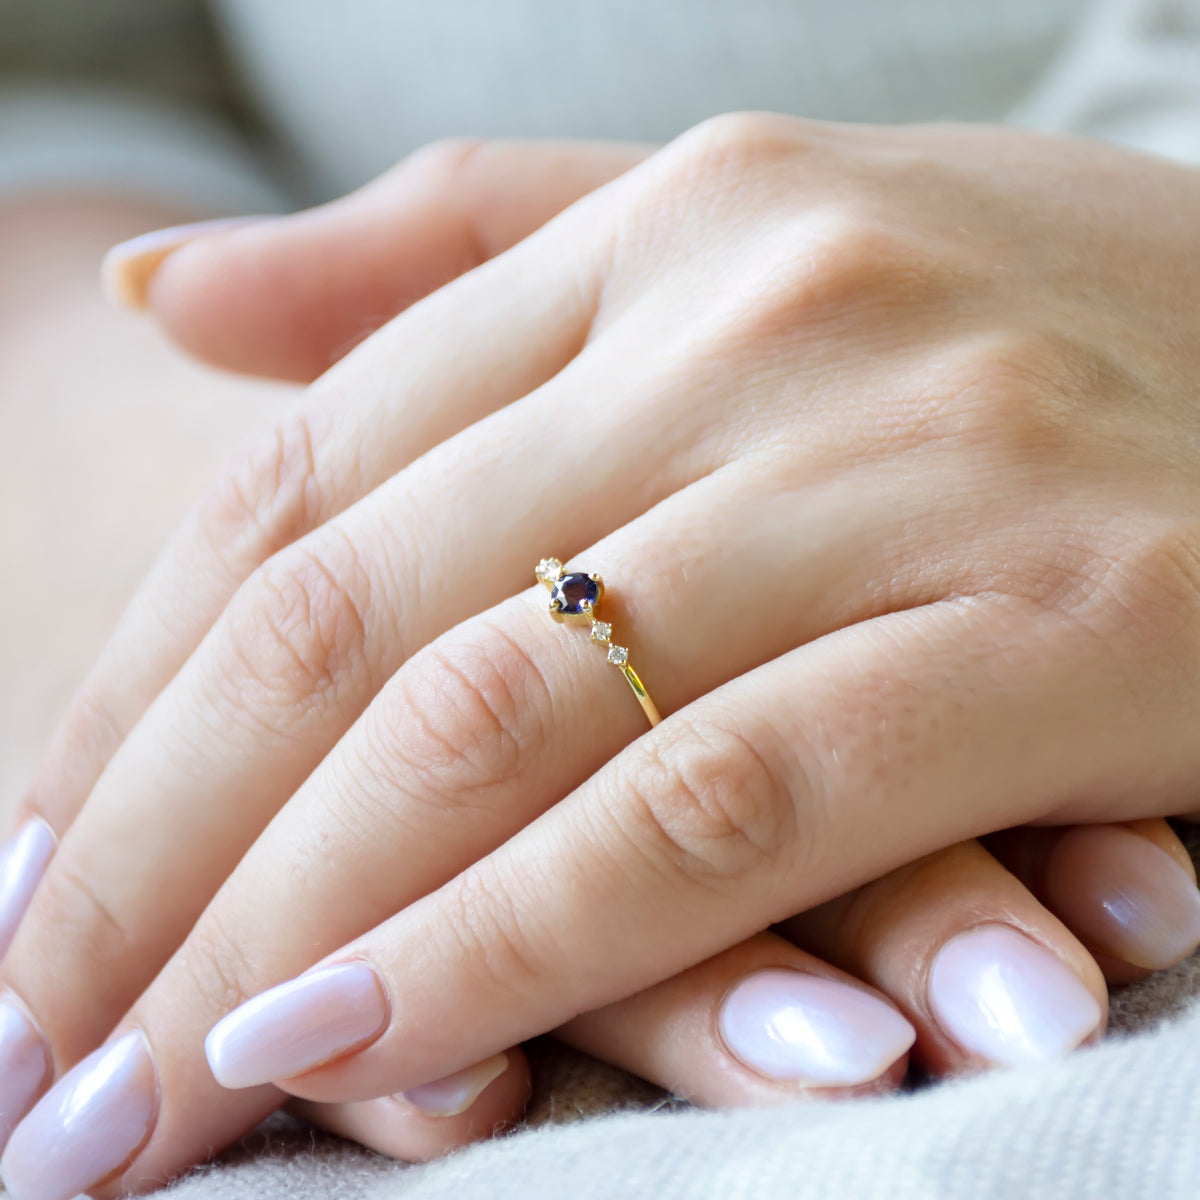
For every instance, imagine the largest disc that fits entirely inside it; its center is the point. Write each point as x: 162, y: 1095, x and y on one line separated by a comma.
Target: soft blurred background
x: 115, y: 117
x: 118, y: 116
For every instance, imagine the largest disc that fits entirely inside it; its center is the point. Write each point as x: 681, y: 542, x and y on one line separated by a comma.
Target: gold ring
x: 575, y: 597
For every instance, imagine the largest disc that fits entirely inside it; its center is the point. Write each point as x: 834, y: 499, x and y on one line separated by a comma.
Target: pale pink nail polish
x: 24, y: 1066
x: 129, y: 267
x: 1003, y: 997
x: 790, y: 1025
x: 454, y: 1094
x: 87, y: 1127
x: 1124, y: 896
x: 23, y: 862
x: 298, y: 1025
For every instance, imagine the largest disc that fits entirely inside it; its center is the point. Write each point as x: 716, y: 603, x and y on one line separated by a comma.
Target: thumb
x: 288, y: 296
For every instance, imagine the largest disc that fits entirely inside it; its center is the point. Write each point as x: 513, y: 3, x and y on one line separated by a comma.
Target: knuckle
x: 836, y: 266
x: 490, y: 941
x: 1012, y: 394
x: 467, y: 717
x: 843, y: 270
x: 442, y: 161
x: 730, y: 141
x: 447, y: 743
x: 853, y: 259
x: 1132, y: 592
x: 709, y: 805
x: 1152, y: 594
x: 296, y: 631
x: 709, y: 169
x: 93, y: 726
x: 268, y: 496
x: 89, y: 735
x: 217, y: 968
x: 453, y: 175
x: 70, y: 905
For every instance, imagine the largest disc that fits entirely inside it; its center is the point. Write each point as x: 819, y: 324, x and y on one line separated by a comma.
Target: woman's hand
x: 876, y: 418
x: 264, y: 304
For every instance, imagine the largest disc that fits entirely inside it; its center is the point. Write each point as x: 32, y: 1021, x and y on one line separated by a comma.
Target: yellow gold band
x: 575, y: 597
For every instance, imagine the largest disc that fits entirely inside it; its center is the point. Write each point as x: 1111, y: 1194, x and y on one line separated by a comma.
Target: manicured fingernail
x: 795, y: 1026
x: 23, y: 862
x: 1001, y: 996
x: 128, y: 268
x: 298, y: 1025
x: 86, y: 1127
x: 24, y: 1065
x: 1124, y: 896
x: 454, y: 1094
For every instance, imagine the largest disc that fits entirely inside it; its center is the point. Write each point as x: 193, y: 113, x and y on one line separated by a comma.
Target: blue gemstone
x: 572, y: 592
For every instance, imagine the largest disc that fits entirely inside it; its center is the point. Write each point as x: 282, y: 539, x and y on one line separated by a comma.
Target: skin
x: 80, y: 426
x: 962, y: 620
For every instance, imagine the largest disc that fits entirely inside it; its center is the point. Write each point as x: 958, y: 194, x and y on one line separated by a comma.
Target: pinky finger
x: 469, y: 1106
x: 1127, y: 891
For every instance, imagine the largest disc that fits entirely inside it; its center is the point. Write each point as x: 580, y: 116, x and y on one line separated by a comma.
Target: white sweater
x: 350, y: 86
x: 355, y: 85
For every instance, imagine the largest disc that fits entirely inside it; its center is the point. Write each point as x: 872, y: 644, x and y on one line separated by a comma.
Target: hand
x: 929, y: 800
x: 263, y: 304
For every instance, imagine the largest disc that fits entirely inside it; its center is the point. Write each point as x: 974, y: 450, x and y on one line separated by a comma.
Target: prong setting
x: 574, y: 598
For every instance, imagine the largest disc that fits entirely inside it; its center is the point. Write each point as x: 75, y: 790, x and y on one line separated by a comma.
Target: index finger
x: 287, y: 298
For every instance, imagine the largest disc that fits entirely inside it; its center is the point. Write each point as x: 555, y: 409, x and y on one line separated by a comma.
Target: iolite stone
x: 572, y: 592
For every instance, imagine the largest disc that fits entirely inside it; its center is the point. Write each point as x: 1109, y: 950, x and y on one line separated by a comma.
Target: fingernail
x: 454, y: 1094
x: 86, y: 1127
x: 792, y: 1025
x: 1001, y: 996
x: 298, y: 1025
x: 24, y: 1065
x: 1123, y: 895
x: 128, y: 268
x: 23, y: 862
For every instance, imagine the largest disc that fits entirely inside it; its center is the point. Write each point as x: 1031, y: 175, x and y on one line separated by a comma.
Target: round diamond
x: 573, y: 594
x: 548, y: 570
x: 618, y: 655
x: 601, y: 631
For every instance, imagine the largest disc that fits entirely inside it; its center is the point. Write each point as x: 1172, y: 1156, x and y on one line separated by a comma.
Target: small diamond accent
x: 618, y: 655
x: 548, y: 570
x: 601, y: 631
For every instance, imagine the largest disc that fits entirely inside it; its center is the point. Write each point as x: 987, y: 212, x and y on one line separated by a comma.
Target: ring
x: 574, y: 597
